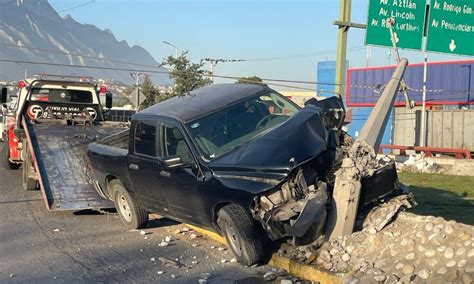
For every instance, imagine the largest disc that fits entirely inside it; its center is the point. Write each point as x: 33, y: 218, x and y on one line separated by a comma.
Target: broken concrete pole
x: 360, y: 160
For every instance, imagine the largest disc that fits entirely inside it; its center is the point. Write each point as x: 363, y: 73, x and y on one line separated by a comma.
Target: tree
x: 150, y: 92
x: 187, y: 75
x: 250, y: 80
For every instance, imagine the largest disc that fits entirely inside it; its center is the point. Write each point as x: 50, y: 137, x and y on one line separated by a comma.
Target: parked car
x: 238, y: 159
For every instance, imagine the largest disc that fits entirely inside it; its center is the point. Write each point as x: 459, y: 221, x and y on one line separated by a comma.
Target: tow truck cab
x: 46, y: 97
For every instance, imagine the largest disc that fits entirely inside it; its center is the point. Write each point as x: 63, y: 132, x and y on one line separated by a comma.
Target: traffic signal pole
x: 344, y: 24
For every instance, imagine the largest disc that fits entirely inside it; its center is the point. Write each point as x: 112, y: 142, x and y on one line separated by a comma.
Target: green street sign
x: 451, y: 27
x: 409, y: 18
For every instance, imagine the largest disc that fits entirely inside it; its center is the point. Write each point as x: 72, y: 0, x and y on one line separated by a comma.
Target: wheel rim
x: 233, y: 239
x: 124, y: 207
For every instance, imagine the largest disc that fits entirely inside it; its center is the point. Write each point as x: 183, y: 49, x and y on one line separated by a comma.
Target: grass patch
x: 447, y: 196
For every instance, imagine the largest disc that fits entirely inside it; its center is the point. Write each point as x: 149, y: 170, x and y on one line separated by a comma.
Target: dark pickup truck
x: 238, y: 159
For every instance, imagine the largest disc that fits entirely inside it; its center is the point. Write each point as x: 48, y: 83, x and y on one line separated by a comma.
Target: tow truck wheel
x: 130, y: 213
x: 241, y: 233
x: 6, y: 158
x: 28, y: 175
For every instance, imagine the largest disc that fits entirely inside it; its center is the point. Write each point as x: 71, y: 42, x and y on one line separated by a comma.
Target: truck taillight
x: 21, y: 84
x: 103, y: 89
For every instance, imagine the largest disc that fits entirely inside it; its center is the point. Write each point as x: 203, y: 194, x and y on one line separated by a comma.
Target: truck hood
x: 274, y: 153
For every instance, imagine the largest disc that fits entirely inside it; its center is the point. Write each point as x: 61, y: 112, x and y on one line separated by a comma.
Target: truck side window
x: 174, y: 143
x: 145, y: 139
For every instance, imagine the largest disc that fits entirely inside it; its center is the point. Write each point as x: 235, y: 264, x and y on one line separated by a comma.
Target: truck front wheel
x: 28, y: 175
x: 241, y: 233
x: 130, y: 213
x: 6, y: 158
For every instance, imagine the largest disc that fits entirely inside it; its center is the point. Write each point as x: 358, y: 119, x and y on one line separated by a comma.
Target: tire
x: 241, y: 233
x: 28, y: 174
x: 6, y: 158
x: 132, y: 216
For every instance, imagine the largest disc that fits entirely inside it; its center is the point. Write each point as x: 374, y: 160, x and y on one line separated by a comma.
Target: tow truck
x: 46, y: 134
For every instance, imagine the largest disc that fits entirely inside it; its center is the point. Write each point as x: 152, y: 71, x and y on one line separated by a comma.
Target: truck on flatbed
x: 238, y: 159
x: 47, y: 132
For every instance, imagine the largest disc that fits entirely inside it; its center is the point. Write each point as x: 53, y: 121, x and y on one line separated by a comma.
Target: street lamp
x: 174, y: 46
x: 468, y: 85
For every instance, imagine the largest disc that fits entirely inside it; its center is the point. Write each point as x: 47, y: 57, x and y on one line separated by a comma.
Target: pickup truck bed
x: 61, y: 163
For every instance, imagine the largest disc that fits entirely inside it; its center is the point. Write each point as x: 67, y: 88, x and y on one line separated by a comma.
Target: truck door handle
x: 133, y: 166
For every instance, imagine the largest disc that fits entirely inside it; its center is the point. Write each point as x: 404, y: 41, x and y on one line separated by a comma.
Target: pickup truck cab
x: 238, y: 159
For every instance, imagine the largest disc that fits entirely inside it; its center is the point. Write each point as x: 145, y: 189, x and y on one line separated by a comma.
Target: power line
x: 65, y: 10
x: 75, y: 54
x: 6, y: 3
x: 144, y: 71
x: 312, y: 54
x: 168, y: 71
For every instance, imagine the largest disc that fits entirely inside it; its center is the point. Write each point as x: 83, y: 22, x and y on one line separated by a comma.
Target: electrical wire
x: 6, y: 3
x: 65, y: 10
x: 146, y: 71
x: 76, y: 54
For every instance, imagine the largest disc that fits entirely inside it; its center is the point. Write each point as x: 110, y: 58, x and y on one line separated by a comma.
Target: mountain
x: 34, y: 23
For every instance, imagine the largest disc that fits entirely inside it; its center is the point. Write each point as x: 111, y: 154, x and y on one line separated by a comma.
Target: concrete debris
x: 194, y: 236
x: 381, y: 215
x: 160, y: 272
x: 170, y: 262
x: 419, y: 163
x: 163, y: 244
x: 233, y: 260
x: 152, y: 259
x: 273, y: 274
x: 12, y: 275
x: 168, y: 239
x: 142, y: 232
x: 56, y: 230
x: 221, y: 249
x: 408, y: 248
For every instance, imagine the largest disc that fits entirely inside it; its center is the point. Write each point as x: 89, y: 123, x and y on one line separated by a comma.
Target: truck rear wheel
x: 28, y: 175
x: 241, y: 233
x: 130, y: 213
x: 6, y: 158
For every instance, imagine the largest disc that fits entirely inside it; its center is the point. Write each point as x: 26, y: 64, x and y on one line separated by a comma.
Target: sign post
x: 409, y: 16
x: 451, y: 27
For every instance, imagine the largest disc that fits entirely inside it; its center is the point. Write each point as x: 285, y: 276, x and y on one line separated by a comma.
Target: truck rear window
x: 60, y: 96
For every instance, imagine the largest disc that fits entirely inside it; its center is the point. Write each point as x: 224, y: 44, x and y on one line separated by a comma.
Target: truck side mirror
x: 4, y: 95
x: 173, y: 162
x: 108, y: 100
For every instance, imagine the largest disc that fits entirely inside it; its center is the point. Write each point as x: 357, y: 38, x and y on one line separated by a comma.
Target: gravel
x: 411, y: 248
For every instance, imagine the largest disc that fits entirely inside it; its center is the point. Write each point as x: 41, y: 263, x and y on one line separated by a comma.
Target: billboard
x: 448, y: 83
x: 326, y: 76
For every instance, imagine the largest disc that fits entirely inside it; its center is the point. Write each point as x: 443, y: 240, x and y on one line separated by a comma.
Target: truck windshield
x: 61, y: 96
x: 231, y: 127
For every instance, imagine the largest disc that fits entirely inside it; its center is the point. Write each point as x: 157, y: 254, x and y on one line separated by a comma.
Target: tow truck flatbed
x: 59, y: 156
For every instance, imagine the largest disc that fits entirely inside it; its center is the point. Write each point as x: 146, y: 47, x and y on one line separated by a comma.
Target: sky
x: 290, y: 36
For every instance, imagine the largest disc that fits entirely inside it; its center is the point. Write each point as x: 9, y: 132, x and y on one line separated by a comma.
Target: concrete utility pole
x: 361, y: 159
x: 137, y: 76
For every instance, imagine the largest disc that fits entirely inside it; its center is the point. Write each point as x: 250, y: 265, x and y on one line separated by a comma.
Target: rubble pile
x: 420, y: 164
x: 411, y: 248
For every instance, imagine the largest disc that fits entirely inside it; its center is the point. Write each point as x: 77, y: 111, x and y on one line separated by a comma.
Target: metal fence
x: 121, y: 115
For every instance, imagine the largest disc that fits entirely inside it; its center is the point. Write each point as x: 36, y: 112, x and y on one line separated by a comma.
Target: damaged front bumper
x: 293, y: 210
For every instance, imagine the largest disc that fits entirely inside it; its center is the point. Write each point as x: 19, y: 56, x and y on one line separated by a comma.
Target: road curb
x: 296, y: 269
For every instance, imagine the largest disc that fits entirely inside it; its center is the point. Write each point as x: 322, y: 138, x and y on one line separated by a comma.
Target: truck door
x: 144, y: 167
x: 181, y: 184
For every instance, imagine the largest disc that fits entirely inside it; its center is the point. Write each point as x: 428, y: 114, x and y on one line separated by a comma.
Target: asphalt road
x: 43, y: 247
